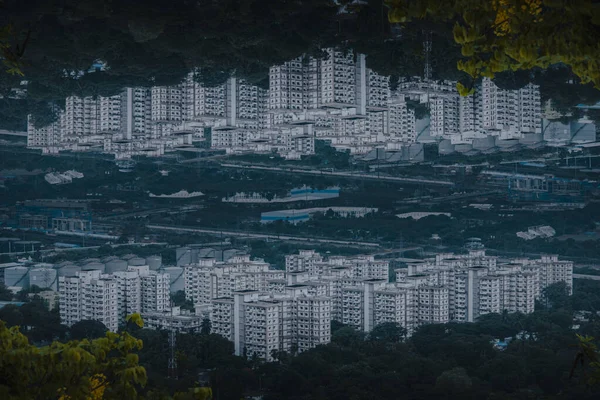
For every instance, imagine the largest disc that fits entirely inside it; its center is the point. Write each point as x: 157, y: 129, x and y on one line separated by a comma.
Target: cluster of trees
x: 515, y: 35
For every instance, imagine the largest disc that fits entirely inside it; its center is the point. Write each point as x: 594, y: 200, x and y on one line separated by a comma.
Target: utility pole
x: 426, y: 56
x: 172, y: 342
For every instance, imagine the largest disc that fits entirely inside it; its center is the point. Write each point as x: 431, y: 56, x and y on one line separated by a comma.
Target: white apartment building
x: 514, y: 111
x: 401, y: 121
x: 154, y: 288
x: 109, y: 298
x: 209, y: 279
x: 47, y: 138
x: 338, y: 79
x: 286, y: 86
x: 444, y: 116
x: 129, y: 293
x: 307, y: 260
x: 89, y: 295
x: 378, y: 91
x: 110, y: 113
x: 470, y: 112
x: 262, y: 310
x: 260, y: 325
x: 167, y: 103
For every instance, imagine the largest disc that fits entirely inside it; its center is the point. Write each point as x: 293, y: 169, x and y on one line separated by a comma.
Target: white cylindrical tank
x: 183, y: 256
x: 116, y: 265
x: 44, y: 278
x: 69, y: 270
x: 445, y: 147
x: 17, y: 276
x: 463, y: 147
x: 128, y: 256
x: 95, y: 265
x: 154, y: 262
x: 136, y: 261
x: 176, y: 278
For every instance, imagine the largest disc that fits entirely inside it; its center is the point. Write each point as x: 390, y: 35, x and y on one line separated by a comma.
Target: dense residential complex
x: 336, y: 98
x: 109, y: 298
x: 258, y: 307
x: 264, y: 310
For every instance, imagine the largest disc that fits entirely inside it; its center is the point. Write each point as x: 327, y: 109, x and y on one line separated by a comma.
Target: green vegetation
x: 453, y: 361
x: 514, y: 35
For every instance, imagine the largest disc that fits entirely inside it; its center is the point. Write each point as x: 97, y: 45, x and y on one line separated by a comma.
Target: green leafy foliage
x: 69, y: 368
x: 514, y: 35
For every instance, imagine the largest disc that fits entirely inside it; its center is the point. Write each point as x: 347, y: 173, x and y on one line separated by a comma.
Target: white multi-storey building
x: 264, y: 310
x: 513, y: 111
x: 261, y: 325
x: 109, y: 298
x: 401, y: 121
x: 129, y: 293
x: 89, y: 295
x: 444, y: 116
x: 154, y: 289
x: 167, y: 102
x: 209, y: 279
x: 173, y: 319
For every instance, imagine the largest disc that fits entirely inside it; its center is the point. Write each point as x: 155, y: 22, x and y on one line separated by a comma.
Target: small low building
x: 174, y: 318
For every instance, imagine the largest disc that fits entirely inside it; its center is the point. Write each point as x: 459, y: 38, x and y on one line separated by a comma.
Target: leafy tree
x: 388, y: 332
x: 206, y: 327
x: 513, y: 35
x: 179, y: 300
x: 454, y: 382
x: 37, y: 323
x: 102, y: 368
x: 556, y: 295
x: 87, y: 329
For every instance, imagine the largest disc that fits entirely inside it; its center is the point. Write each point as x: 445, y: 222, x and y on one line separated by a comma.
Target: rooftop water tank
x: 44, y: 278
x: 136, y: 261
x: 16, y: 276
x: 183, y: 256
x: 176, y: 278
x: 68, y: 270
x: 445, y: 147
x: 484, y: 143
x: 116, y: 265
x: 463, y: 147
x: 109, y: 258
x: 154, y: 262
x: 95, y: 265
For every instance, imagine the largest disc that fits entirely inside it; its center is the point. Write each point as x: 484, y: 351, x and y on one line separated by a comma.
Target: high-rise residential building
x: 263, y: 325
x: 154, y: 288
x: 470, y: 112
x: 47, y: 138
x: 167, y: 103
x: 401, y: 121
x: 307, y: 260
x: 444, y: 116
x: 338, y: 79
x: 110, y: 113
x: 286, y: 86
x: 209, y: 279
x: 89, y: 295
x: 129, y: 293
x: 81, y: 118
x: 514, y: 111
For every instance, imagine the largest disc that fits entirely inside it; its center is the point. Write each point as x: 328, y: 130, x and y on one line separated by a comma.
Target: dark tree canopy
x: 87, y: 329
